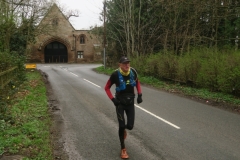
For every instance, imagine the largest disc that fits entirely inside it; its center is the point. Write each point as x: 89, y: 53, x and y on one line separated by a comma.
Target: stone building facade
x: 58, y: 41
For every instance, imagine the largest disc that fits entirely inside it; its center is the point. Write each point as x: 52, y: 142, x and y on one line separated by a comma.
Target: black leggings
x: 130, y: 113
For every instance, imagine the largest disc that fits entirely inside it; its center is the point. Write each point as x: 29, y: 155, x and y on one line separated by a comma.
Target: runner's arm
x: 107, y: 89
x: 138, y: 86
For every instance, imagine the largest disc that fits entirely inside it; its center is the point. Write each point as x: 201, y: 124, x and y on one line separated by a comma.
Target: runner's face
x: 125, y: 66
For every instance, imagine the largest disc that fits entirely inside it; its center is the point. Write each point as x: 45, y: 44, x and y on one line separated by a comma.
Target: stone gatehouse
x: 58, y: 41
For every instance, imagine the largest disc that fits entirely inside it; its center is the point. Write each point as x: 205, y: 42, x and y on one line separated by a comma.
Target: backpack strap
x: 122, y: 84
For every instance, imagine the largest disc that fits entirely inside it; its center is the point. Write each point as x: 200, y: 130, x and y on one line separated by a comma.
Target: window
x: 79, y: 54
x: 82, y: 39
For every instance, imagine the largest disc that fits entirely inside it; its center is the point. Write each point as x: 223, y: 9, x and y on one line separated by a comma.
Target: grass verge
x: 226, y: 101
x: 27, y: 132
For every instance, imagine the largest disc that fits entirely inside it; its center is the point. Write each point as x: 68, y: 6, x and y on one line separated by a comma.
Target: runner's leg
x: 130, y: 112
x: 121, y: 121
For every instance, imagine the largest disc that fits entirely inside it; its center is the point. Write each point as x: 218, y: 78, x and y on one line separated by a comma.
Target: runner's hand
x: 115, y: 101
x: 139, y: 98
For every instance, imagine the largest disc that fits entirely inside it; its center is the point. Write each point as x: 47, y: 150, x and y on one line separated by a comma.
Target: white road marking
x: 74, y: 74
x: 92, y: 83
x: 86, y: 80
x: 171, y: 124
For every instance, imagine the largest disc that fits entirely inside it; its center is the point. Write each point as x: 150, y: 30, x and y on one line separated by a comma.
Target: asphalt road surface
x: 167, y: 127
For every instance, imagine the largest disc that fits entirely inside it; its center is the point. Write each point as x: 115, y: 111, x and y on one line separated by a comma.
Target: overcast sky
x: 89, y: 12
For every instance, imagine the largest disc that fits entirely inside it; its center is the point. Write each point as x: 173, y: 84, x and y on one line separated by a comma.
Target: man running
x: 125, y: 78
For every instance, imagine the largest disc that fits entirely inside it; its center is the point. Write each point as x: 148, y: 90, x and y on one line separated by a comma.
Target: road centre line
x: 92, y: 83
x: 171, y: 124
x: 86, y: 80
x: 74, y: 74
x: 63, y: 68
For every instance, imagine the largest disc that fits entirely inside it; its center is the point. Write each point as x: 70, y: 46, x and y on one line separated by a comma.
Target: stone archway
x: 55, y: 52
x: 50, y: 54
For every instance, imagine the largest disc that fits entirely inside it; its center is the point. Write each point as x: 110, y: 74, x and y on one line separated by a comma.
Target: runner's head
x: 124, y: 64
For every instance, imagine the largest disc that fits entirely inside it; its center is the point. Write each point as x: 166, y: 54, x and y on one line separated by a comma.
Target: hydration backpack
x: 122, y: 83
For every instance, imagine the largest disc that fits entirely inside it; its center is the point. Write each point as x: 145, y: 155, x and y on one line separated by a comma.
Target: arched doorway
x: 55, y: 52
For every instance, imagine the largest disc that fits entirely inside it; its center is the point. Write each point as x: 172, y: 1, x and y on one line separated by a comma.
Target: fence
x: 7, y: 76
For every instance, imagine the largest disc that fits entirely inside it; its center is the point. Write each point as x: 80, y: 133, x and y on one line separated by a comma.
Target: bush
x: 230, y: 81
x: 168, y: 66
x: 189, y: 67
x: 202, y: 67
x: 9, y: 60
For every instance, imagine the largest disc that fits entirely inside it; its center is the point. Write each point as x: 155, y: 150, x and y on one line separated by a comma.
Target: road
x: 167, y: 127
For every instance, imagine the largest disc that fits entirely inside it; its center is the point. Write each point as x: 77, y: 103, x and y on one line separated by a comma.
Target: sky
x: 89, y: 12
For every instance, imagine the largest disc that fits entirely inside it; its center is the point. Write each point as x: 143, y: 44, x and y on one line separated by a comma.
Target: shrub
x: 7, y: 61
x: 189, y: 67
x: 202, y: 67
x: 230, y: 81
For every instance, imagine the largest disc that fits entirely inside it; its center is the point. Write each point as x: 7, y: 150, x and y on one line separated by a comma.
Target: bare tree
x: 145, y: 27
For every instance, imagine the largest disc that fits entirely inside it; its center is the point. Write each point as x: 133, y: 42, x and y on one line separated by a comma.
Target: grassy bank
x: 27, y: 130
x: 224, y: 100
